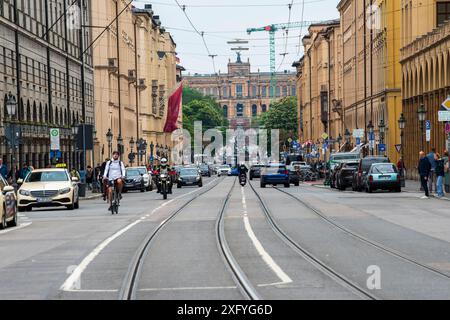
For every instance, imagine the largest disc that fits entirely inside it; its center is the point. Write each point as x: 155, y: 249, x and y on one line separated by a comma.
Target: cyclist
x: 114, y: 174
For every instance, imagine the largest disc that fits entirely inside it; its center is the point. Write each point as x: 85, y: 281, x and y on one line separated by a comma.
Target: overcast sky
x: 225, y: 20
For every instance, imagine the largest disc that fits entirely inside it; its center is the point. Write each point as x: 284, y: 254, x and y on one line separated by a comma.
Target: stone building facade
x: 318, y: 74
x: 40, y: 66
x: 425, y: 60
x: 243, y: 94
x: 135, y: 73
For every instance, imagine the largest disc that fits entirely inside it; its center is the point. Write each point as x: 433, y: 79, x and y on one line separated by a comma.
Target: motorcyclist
x: 243, y: 170
x: 164, y: 167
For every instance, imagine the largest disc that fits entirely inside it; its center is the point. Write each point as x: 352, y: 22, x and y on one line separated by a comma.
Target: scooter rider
x: 164, y: 167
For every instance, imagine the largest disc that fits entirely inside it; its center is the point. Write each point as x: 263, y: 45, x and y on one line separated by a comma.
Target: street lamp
x: 422, y: 112
x: 152, y: 147
x: 120, y: 144
x: 11, y: 107
x: 131, y: 155
x: 109, y: 138
x: 370, y: 128
x: 402, y: 125
x: 347, y: 136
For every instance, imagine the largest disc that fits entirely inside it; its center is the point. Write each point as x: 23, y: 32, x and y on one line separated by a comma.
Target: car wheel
x: 200, y: 185
x: 263, y: 185
x: 287, y: 185
x: 70, y: 207
x: 21, y: 209
x: 178, y: 186
x: 77, y: 204
x: 297, y: 184
x: 14, y: 222
x: 369, y: 189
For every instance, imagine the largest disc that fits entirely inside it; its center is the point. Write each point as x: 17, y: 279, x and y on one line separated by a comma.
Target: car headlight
x: 198, y: 178
x: 25, y: 193
x: 64, y: 191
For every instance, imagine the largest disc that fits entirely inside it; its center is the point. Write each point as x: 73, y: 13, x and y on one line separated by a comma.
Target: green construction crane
x: 272, y: 29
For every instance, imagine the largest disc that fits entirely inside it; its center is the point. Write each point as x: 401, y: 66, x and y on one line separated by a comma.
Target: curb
x: 93, y: 197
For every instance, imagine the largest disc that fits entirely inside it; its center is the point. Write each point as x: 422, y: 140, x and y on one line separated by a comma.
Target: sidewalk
x: 91, y: 196
x: 414, y: 186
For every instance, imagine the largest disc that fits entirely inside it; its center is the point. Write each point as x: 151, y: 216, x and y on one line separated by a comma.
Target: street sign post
x: 54, y: 139
x: 358, y: 133
x: 428, y: 132
x: 444, y: 116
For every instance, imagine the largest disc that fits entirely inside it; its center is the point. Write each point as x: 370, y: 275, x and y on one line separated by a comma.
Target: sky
x: 226, y: 20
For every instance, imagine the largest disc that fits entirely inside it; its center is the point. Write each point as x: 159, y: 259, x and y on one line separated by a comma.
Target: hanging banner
x: 54, y: 139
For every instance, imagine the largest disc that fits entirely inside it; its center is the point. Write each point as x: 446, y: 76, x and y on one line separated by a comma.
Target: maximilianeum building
x: 242, y: 94
x: 41, y: 75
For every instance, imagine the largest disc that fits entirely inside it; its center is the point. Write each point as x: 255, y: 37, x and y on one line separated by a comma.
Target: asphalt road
x: 86, y: 253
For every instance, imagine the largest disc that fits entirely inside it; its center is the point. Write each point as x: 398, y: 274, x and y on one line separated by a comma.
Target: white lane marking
x: 70, y: 282
x: 94, y: 290
x: 262, y: 252
x: 21, y: 226
x: 272, y: 284
x: 187, y: 288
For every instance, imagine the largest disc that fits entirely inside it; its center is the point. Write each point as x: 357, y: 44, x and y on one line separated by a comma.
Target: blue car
x: 234, y: 172
x: 383, y: 176
x: 275, y: 174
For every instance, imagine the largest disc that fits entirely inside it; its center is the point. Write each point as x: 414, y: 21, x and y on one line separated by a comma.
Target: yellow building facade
x: 425, y: 60
x: 135, y: 73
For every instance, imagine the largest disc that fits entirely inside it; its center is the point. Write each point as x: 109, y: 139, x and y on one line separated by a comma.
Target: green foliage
x: 282, y: 115
x: 197, y: 107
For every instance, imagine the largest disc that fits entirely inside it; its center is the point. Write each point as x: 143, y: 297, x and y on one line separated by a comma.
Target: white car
x: 8, y: 207
x: 223, y: 170
x: 48, y: 188
x: 147, y: 178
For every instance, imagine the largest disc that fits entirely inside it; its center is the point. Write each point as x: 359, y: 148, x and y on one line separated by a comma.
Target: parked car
x: 340, y: 157
x: 134, y: 180
x: 189, y: 176
x: 294, y: 175
x: 384, y: 176
x: 275, y: 174
x: 255, y: 171
x: 48, y: 188
x: 8, y: 205
x: 147, y: 178
x: 344, y: 176
x: 360, y: 175
x: 224, y: 170
x: 204, y: 170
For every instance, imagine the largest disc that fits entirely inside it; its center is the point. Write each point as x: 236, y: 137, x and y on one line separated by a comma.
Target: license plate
x: 44, y: 200
x: 385, y: 177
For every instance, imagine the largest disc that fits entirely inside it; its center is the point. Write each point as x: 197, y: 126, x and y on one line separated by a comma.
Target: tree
x: 283, y: 116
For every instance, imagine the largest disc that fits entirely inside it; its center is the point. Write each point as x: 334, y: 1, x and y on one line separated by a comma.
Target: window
x: 239, y: 90
x: 254, y: 110
x: 278, y: 91
x: 225, y: 111
x: 264, y: 108
x: 293, y: 91
x: 254, y: 91
x: 285, y: 91
x: 443, y: 12
x: 225, y: 92
x: 264, y: 92
x: 240, y: 110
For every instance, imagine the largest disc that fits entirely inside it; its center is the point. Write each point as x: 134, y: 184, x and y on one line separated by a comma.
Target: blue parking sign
x: 428, y: 125
x: 382, y: 147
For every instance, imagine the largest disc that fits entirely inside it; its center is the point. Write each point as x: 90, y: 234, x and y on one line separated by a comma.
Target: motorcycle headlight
x: 163, y: 176
x: 25, y: 193
x: 64, y: 191
x: 180, y: 178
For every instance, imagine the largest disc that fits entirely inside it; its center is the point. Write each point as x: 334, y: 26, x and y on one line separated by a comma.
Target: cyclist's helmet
x: 163, y: 162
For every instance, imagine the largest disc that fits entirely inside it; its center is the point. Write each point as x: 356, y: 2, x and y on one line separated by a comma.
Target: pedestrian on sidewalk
x: 439, y: 175
x: 89, y: 177
x: 432, y: 176
x: 446, y: 170
x: 424, y: 172
x: 3, y: 169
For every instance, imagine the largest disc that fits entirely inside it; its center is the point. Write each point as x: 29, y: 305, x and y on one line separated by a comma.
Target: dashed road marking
x: 21, y: 226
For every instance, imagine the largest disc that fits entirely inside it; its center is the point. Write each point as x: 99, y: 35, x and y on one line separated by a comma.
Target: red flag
x: 173, y: 110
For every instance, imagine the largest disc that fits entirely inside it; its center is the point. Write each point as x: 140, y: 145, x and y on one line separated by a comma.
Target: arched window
x: 41, y: 115
x: 28, y: 116
x: 61, y: 117
x: 47, y: 118
x: 66, y: 122
x: 35, y: 115
x: 50, y: 114
x: 264, y: 108
x: 5, y: 109
x: 21, y: 110
x: 239, y: 110
x: 56, y: 116
x: 254, y: 110
x: 254, y: 91
x: 225, y: 111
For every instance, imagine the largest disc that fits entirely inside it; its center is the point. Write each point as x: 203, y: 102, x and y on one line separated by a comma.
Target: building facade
x: 41, y: 70
x: 135, y: 73
x: 242, y: 94
x: 425, y: 60
x: 318, y: 74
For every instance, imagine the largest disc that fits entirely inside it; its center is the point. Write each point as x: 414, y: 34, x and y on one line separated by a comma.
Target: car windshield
x: 142, y: 170
x: 343, y: 157
x: 224, y: 167
x: 367, y: 163
x: 133, y: 173
x: 384, y: 168
x: 188, y: 172
x: 48, y: 176
x: 352, y: 165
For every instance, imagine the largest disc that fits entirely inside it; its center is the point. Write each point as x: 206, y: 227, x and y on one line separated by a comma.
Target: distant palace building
x: 242, y: 94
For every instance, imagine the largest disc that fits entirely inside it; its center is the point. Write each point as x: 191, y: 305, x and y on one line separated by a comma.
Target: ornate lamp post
x: 131, y: 156
x: 422, y: 112
x: 109, y: 138
x: 370, y: 128
x: 382, y: 128
x: 402, y: 125
x: 11, y: 108
x: 152, y: 147
x: 120, y: 145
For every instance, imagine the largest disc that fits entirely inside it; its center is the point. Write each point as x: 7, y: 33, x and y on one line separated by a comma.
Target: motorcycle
x: 243, y: 180
x: 164, y: 184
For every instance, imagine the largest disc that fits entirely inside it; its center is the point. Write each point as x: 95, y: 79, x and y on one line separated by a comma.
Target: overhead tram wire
x: 284, y: 54
x: 231, y: 5
x: 301, y: 29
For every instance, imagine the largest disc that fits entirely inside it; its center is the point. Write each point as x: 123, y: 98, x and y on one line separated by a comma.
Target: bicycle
x: 115, y: 199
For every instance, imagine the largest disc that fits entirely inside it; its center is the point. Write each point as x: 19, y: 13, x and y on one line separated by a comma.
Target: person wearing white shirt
x: 114, y: 173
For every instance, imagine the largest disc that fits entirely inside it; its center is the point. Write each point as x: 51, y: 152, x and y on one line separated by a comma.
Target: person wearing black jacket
x: 424, y: 172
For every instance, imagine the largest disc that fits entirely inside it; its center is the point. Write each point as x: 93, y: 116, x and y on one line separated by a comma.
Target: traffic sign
x: 446, y: 105
x: 382, y: 147
x: 428, y: 125
x: 54, y: 139
x: 428, y: 133
x: 398, y: 147
x: 444, y: 116
x: 358, y: 133
x: 358, y: 141
x: 325, y: 136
